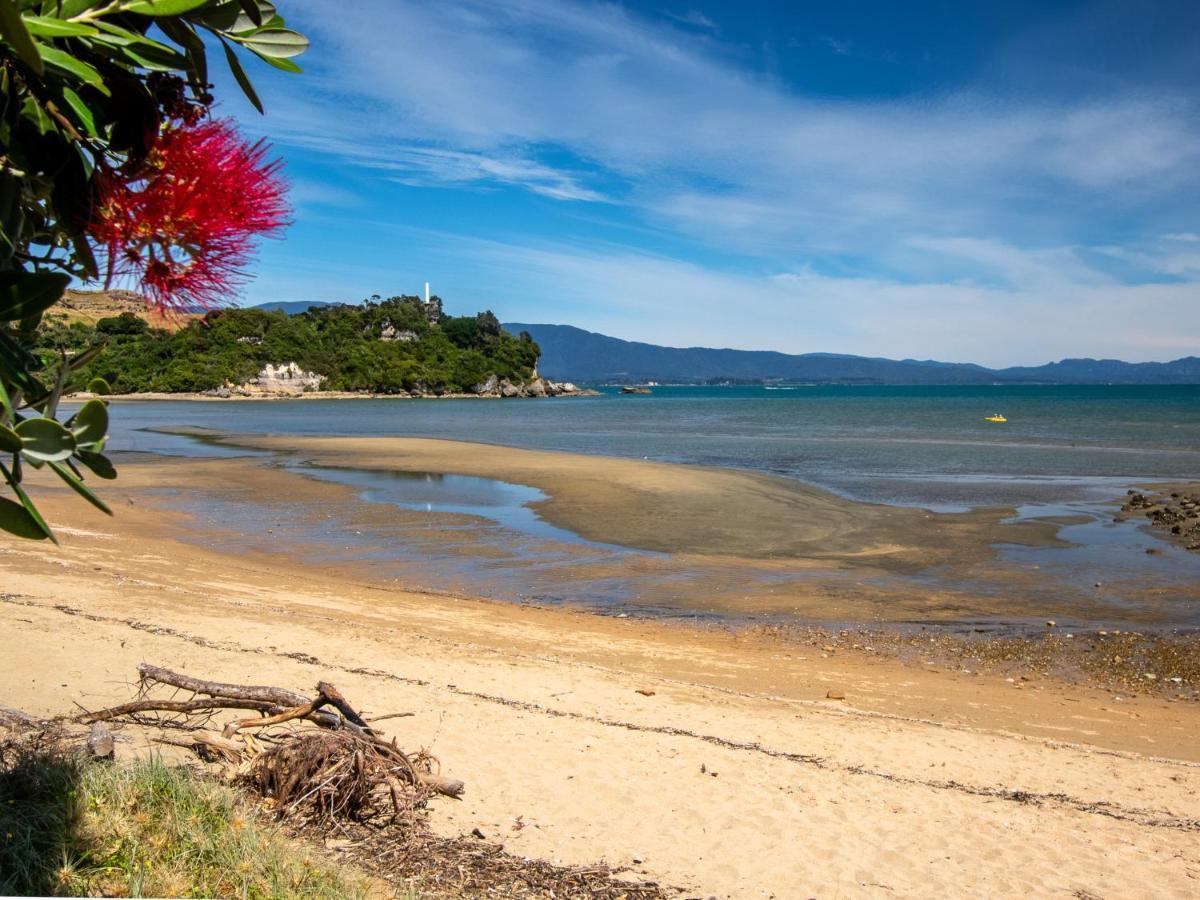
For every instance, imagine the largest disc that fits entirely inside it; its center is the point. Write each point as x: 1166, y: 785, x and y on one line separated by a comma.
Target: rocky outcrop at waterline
x: 1176, y: 512
x: 535, y: 387
x: 289, y: 380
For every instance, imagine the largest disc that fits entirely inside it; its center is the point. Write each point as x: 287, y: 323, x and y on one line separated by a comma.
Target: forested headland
x: 392, y: 346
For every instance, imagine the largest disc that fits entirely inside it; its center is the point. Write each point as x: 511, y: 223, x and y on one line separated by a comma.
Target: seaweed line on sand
x: 1143, y: 817
x: 309, y: 659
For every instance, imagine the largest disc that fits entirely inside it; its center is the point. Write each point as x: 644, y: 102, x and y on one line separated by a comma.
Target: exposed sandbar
x: 685, y: 509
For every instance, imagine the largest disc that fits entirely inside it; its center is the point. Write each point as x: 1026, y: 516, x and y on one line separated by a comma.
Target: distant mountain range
x: 572, y: 354
x: 291, y: 307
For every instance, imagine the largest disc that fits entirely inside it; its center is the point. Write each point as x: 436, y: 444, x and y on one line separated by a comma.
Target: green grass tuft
x: 73, y: 827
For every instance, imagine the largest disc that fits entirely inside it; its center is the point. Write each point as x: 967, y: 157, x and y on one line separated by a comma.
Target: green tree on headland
x: 385, y: 347
x: 110, y: 167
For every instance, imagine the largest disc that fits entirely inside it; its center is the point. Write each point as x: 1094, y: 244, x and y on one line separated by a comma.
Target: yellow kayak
x: 995, y: 418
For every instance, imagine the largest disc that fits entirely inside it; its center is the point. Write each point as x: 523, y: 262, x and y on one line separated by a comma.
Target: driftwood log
x: 278, y: 696
x: 276, y: 706
x: 173, y: 706
x: 277, y: 699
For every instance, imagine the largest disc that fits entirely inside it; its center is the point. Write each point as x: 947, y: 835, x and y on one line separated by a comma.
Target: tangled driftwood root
x: 335, y: 775
x: 311, y: 757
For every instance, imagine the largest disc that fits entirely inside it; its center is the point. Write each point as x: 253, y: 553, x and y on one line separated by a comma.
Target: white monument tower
x: 427, y: 292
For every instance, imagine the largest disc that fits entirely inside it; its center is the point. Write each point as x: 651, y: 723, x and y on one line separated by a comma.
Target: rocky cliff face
x: 92, y: 306
x: 284, y: 380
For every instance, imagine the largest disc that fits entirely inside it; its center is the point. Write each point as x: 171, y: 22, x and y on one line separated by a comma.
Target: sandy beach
x: 716, y: 762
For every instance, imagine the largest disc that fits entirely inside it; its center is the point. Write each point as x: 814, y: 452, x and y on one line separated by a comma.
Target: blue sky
x: 1000, y: 182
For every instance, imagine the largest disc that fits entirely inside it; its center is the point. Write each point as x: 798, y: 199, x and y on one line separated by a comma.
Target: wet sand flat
x: 724, y: 542
x: 681, y: 509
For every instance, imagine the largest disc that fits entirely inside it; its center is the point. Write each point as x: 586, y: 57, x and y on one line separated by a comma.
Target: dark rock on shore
x: 1177, y: 513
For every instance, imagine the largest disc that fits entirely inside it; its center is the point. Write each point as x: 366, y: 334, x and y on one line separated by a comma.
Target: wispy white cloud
x: 309, y: 193
x: 679, y: 303
x: 661, y: 299
x: 836, y: 46
x: 695, y: 18
x: 654, y: 105
x: 976, y: 214
x: 1175, y: 255
x: 431, y: 165
x: 1016, y: 267
x: 307, y: 122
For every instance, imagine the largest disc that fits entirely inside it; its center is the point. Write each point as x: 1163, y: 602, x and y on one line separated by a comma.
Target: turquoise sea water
x: 1064, y: 452
x: 927, y: 446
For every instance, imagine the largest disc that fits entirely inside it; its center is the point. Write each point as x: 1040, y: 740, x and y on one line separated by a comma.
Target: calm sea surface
x: 927, y: 446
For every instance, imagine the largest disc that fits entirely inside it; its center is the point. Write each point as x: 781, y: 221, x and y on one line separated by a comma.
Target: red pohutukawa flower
x: 183, y: 227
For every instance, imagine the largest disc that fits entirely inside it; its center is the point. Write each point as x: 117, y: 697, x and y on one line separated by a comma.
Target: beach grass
x: 71, y: 826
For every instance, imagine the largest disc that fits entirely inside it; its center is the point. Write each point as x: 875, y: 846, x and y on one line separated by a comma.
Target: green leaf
x: 60, y: 59
x: 234, y: 16
x: 221, y: 16
x: 280, y: 43
x: 16, y: 519
x: 33, y: 112
x: 98, y: 463
x: 45, y: 440
x: 99, y: 387
x: 30, y: 509
x: 151, y: 55
x: 18, y: 366
x: 13, y: 354
x: 246, y: 22
x: 131, y: 37
x: 84, y: 255
x: 44, y: 26
x: 240, y: 75
x: 71, y: 191
x: 90, y: 424
x: 76, y: 484
x: 10, y: 441
x: 182, y: 33
x: 69, y: 9
x: 252, y: 10
x: 286, y: 64
x: 161, y: 7
x: 24, y: 294
x: 5, y: 400
x: 14, y: 32
x: 82, y: 112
